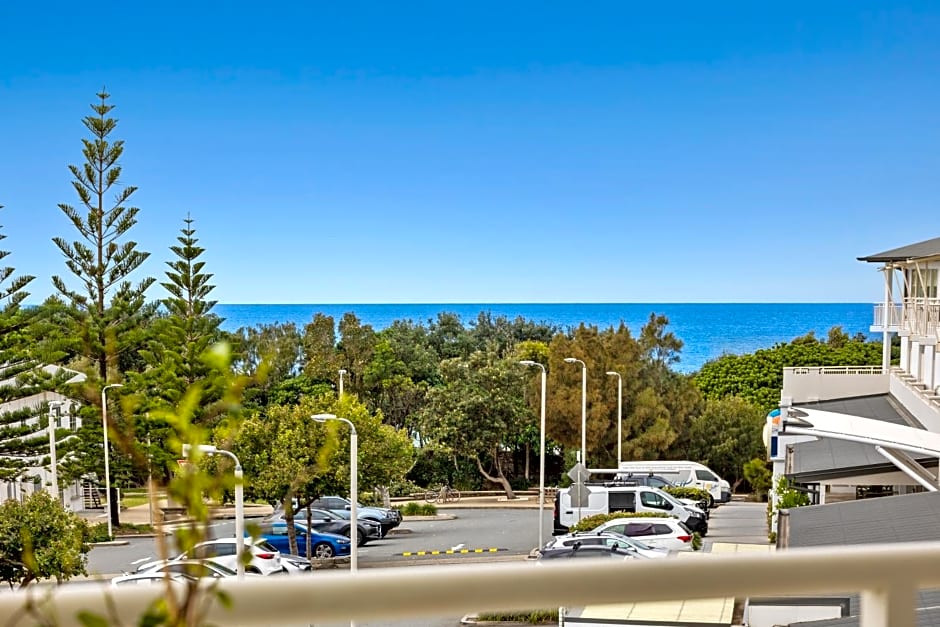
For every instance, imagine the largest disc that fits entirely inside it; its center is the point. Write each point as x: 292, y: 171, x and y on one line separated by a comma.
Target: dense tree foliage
x: 758, y: 377
x: 108, y: 312
x: 40, y: 539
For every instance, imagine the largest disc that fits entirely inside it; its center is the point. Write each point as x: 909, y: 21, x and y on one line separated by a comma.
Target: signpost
x: 579, y: 493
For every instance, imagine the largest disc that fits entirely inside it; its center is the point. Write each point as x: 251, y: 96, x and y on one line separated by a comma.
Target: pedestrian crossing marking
x: 450, y: 552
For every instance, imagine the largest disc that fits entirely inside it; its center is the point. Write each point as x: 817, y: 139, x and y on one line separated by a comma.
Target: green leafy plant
x: 685, y: 492
x: 696, y: 541
x: 590, y: 522
x: 531, y: 617
x: 759, y: 476
x: 413, y: 508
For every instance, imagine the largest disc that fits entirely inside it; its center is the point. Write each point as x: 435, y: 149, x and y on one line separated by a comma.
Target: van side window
x: 704, y: 475
x: 621, y: 501
x: 651, y: 499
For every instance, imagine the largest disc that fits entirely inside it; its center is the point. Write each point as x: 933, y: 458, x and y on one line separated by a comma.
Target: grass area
x: 533, y: 617
x: 99, y: 531
x: 132, y: 500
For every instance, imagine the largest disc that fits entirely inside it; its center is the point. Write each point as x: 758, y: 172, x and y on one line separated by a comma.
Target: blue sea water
x: 708, y: 330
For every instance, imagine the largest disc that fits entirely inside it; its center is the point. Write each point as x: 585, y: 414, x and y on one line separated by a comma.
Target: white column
x: 930, y: 351
x: 887, y: 315
x: 905, y: 353
x: 915, y: 356
x: 822, y: 493
x: 936, y: 370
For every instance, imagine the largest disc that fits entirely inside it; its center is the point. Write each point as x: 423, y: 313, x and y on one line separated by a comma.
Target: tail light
x: 265, y: 556
x: 685, y: 538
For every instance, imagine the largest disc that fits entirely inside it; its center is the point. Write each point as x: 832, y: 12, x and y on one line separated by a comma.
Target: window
x: 704, y: 475
x: 638, y: 529
x: 225, y: 548
x: 923, y: 283
x: 651, y: 499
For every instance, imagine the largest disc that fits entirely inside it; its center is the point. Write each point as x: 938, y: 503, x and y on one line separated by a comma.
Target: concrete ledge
x: 112, y: 543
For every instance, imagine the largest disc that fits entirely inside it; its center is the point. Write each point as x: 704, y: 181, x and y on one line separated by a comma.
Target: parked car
x: 194, y: 568
x: 265, y: 558
x: 607, y: 538
x: 388, y: 518
x: 586, y: 551
x: 668, y: 533
x: 151, y: 578
x: 328, y: 521
x: 295, y: 564
x: 322, y: 545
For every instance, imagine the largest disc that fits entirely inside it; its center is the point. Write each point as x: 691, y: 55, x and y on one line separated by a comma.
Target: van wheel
x: 711, y: 501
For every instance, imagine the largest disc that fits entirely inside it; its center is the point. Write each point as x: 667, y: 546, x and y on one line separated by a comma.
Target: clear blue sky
x: 361, y: 152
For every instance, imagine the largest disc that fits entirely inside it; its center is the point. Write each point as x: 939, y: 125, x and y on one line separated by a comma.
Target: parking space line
x: 450, y: 552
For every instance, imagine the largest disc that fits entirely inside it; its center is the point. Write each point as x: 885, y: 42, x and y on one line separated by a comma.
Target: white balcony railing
x: 886, y: 576
x: 889, y: 316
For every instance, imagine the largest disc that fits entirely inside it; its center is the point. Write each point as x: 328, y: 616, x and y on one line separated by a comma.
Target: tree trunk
x: 289, y: 519
x: 499, y: 478
x: 309, y: 528
x: 384, y: 495
x: 528, y: 452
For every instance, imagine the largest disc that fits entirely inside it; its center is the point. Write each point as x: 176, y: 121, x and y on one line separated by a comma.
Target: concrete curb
x: 110, y: 543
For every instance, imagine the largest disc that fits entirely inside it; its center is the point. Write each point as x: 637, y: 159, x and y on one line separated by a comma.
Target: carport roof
x: 827, y: 458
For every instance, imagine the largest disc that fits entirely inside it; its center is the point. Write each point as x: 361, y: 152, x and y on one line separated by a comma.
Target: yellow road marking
x: 451, y: 552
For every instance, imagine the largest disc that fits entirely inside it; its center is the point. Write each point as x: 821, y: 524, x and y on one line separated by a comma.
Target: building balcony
x: 919, y: 317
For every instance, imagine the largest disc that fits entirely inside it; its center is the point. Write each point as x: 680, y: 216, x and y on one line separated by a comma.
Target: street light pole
x: 572, y: 360
x: 208, y: 449
x: 342, y: 371
x: 353, y: 487
x: 619, y: 414
x: 529, y: 362
x: 53, y: 462
x: 113, y: 513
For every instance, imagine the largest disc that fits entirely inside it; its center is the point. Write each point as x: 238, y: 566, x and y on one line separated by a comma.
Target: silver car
x: 609, y: 539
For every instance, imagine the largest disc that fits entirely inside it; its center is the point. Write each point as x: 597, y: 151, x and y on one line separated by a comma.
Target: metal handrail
x: 886, y: 576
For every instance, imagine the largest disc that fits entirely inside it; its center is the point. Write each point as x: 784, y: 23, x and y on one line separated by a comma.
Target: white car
x: 667, y: 533
x: 265, y: 559
x: 151, y: 578
x: 608, y: 538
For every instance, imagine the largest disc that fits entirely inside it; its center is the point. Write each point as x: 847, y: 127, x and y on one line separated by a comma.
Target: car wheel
x: 322, y: 550
x: 711, y: 501
x: 361, y: 538
x: 253, y: 570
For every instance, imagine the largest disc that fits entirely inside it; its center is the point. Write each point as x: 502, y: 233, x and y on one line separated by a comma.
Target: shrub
x: 532, y: 617
x: 590, y: 522
x: 696, y: 541
x: 686, y: 492
x: 413, y: 508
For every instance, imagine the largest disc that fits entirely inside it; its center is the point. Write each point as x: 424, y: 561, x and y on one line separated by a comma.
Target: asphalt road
x: 511, y: 532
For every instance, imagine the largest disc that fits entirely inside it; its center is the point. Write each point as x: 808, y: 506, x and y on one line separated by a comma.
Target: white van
x: 603, y: 499
x: 682, y: 473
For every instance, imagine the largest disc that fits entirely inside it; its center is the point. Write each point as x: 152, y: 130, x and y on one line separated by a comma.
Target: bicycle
x: 444, y: 494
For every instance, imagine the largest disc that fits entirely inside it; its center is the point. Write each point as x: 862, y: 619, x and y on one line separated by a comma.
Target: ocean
x: 708, y: 330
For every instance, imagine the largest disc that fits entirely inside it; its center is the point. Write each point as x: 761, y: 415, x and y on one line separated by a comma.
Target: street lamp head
x: 527, y: 362
x: 206, y: 449
x: 323, y: 417
x: 613, y: 374
x: 570, y: 360
x: 342, y: 371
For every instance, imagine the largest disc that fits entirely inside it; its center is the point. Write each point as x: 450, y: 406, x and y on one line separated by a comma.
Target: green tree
x: 175, y: 354
x: 725, y: 436
x: 108, y: 316
x: 758, y: 476
x: 758, y: 377
x: 356, y: 346
x: 321, y: 361
x: 477, y: 412
x: 40, y: 539
x: 268, y: 355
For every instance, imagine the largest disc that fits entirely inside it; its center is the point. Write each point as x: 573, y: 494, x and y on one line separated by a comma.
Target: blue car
x: 322, y: 545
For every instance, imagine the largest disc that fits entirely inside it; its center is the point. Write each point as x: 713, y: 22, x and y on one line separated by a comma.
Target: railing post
x: 894, y: 606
